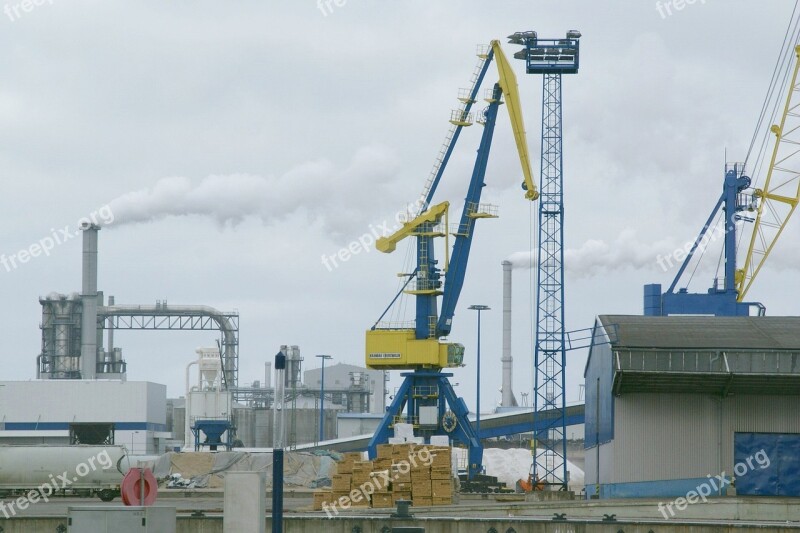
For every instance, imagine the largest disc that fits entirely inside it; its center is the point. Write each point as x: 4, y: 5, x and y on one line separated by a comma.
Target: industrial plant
x: 686, y: 412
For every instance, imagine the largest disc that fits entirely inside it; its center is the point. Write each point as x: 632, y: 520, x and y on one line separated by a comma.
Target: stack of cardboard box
x: 407, y: 471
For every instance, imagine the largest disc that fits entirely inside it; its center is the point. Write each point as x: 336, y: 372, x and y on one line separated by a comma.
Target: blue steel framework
x: 551, y: 58
x: 718, y: 301
x: 425, y: 388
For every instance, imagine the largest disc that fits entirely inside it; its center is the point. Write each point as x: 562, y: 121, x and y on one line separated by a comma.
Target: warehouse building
x: 693, y: 403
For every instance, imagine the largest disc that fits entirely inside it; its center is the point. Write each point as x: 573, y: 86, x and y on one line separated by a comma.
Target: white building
x: 65, y: 411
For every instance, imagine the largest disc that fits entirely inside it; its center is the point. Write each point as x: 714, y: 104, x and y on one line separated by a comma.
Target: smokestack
x: 89, y: 300
x: 508, y: 393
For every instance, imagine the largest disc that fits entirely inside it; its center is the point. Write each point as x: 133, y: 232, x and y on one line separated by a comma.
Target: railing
x: 690, y: 361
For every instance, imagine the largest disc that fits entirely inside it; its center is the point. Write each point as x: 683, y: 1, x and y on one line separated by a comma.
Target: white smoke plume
x: 318, y: 189
x: 597, y: 256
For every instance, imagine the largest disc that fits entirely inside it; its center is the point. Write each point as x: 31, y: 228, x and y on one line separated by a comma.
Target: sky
x: 239, y: 144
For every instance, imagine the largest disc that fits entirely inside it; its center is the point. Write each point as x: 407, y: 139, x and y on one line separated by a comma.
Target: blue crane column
x: 552, y: 58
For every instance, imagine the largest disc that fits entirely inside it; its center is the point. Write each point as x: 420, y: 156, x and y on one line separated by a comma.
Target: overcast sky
x: 239, y: 143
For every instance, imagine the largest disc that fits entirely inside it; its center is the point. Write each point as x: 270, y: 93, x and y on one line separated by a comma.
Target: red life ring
x: 131, y: 488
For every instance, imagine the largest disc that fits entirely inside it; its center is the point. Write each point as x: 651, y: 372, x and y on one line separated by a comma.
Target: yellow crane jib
x: 432, y: 215
x: 780, y: 194
x: 508, y: 82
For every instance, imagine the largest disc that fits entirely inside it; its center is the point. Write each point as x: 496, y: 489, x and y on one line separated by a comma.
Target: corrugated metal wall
x: 599, y: 375
x: 757, y: 414
x: 680, y: 436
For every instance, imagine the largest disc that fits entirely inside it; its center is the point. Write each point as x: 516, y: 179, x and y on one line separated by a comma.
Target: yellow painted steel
x: 392, y: 349
x: 770, y: 223
x: 508, y: 82
x: 432, y: 215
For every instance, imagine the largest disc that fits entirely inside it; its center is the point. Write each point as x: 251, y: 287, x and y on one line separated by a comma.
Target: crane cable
x: 773, y: 85
x: 780, y: 71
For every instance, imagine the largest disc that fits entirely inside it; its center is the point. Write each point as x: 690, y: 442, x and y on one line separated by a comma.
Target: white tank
x: 62, y: 467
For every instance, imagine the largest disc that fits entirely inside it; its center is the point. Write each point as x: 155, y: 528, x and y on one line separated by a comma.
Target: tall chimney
x: 508, y: 393
x: 89, y: 299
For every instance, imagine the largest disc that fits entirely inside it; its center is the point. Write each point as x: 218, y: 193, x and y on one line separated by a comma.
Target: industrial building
x: 85, y: 412
x: 343, y: 382
x: 674, y: 401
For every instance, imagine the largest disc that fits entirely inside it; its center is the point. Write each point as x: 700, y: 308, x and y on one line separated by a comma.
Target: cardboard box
x: 401, y: 452
x: 381, y: 481
x: 341, y: 483
x: 441, y: 488
x: 362, y: 465
x: 320, y: 497
x: 421, y: 488
x: 401, y: 487
x: 401, y: 474
x: 382, y: 464
x: 442, y: 501
x: 382, y: 501
x: 396, y: 496
x: 422, y: 502
x: 353, y: 456
x: 420, y: 475
x: 359, y: 499
x: 441, y: 472
x: 384, y: 451
x: 336, y: 497
x: 441, y: 457
x: 344, y: 467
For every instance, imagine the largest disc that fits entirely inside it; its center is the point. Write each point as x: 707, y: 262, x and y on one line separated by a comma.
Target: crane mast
x: 551, y: 58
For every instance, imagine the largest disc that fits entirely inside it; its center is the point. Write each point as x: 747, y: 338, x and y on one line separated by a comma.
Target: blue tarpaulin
x: 767, y: 464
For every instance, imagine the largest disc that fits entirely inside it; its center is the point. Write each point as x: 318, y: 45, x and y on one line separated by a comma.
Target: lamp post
x: 322, y: 399
x: 478, y: 308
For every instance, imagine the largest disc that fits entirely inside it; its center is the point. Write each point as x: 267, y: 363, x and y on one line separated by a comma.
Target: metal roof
x: 700, y: 354
x: 704, y: 332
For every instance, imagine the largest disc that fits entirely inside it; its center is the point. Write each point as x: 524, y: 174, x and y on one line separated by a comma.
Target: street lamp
x: 479, y: 308
x: 322, y: 399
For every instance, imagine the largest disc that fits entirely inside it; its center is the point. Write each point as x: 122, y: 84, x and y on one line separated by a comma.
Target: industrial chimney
x: 89, y: 300
x: 508, y: 392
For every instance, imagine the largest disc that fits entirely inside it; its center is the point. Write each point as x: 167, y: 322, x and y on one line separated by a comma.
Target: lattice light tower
x: 551, y: 58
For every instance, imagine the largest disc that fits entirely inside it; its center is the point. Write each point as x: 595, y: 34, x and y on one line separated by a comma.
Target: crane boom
x: 508, y: 82
x: 781, y: 192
